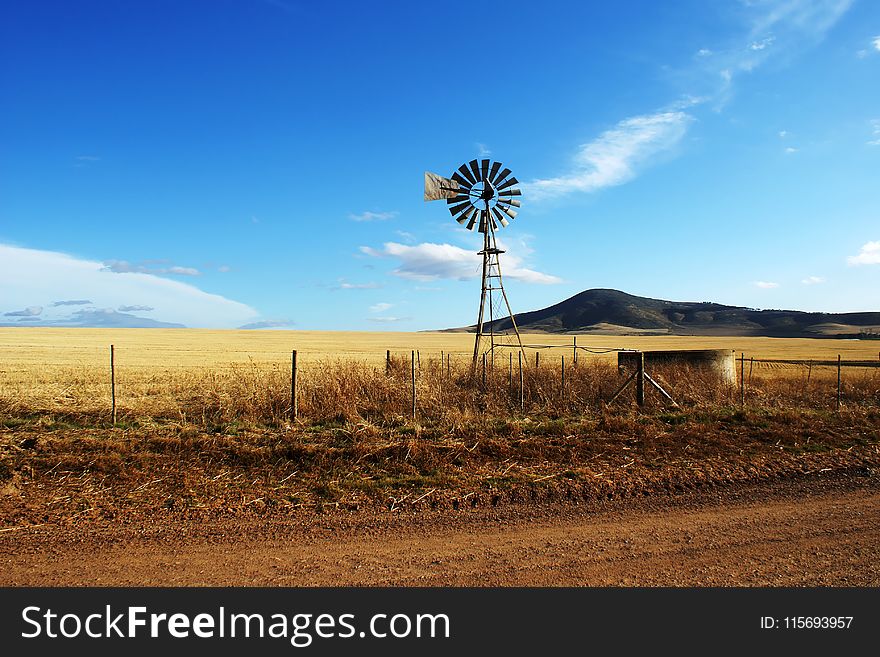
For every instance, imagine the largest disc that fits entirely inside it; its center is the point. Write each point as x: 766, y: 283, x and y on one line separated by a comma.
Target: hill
x: 602, y: 311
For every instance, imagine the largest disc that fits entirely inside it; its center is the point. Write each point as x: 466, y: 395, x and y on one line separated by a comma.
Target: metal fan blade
x: 473, y: 220
x: 500, y: 217
x: 494, y: 225
x: 510, y: 192
x: 464, y: 216
x: 495, y: 167
x: 501, y: 176
x: 510, y: 201
x: 461, y: 181
x: 475, y: 167
x: 506, y: 184
x: 458, y: 198
x: 455, y: 209
x: 510, y: 213
x: 437, y: 187
x: 482, y: 227
x: 467, y: 174
x: 484, y: 169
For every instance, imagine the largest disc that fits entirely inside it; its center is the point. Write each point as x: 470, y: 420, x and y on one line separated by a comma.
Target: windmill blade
x: 484, y: 170
x: 494, y: 225
x: 501, y: 176
x: 467, y: 174
x: 500, y: 217
x: 473, y: 220
x: 510, y: 201
x: 510, y: 213
x: 510, y: 192
x: 475, y: 167
x: 504, y: 222
x: 456, y: 177
x: 458, y: 197
x: 455, y: 209
x: 506, y: 184
x: 437, y: 187
x: 495, y: 167
x: 482, y: 227
x: 464, y: 216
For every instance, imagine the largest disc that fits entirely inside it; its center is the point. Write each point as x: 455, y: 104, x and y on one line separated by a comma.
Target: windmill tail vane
x: 481, y: 194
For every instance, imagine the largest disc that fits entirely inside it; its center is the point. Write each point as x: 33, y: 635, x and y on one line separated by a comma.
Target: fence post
x: 838, y: 382
x: 574, y: 350
x: 751, y: 365
x: 413, y: 378
x: 419, y: 360
x: 448, y: 365
x: 537, y: 355
x: 112, y: 385
x: 294, y: 402
x: 387, y: 361
x: 522, y: 391
x: 640, y: 379
x: 742, y: 380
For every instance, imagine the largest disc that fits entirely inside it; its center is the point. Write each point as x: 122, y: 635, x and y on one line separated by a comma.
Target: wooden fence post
x: 537, y: 355
x: 419, y: 359
x: 742, y: 380
x: 838, y: 382
x: 413, y: 378
x: 574, y: 350
x: 387, y: 361
x: 640, y: 379
x: 112, y: 385
x: 522, y: 391
x: 294, y: 402
x: 751, y: 365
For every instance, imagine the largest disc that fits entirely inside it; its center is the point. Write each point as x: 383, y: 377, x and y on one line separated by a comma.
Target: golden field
x: 206, y: 376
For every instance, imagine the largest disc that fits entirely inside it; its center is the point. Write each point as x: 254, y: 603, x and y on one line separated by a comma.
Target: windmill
x: 481, y: 194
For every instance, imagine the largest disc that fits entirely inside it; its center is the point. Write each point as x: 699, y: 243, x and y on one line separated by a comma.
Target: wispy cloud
x: 869, y: 254
x: 876, y: 43
x: 766, y: 285
x: 345, y: 285
x: 428, y: 261
x: 380, y: 307
x: 388, y: 320
x: 483, y: 150
x: 135, y: 309
x: 813, y: 280
x: 616, y: 156
x: 791, y: 149
x: 31, y: 275
x: 147, y: 267
x: 373, y: 216
x: 30, y: 311
x: 72, y: 302
x: 269, y: 324
x: 875, y: 133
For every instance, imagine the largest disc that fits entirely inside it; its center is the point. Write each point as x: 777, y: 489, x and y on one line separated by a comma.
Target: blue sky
x: 226, y: 163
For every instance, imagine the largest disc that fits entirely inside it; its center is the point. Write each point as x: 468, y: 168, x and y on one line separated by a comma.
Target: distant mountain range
x: 613, y: 312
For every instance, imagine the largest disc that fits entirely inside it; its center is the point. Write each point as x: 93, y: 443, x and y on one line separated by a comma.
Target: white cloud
x: 783, y: 134
x: 428, y: 261
x: 615, y: 156
x: 869, y: 254
x: 30, y: 311
x: 766, y: 285
x: 813, y: 280
x: 791, y: 149
x: 380, y: 307
x: 388, y: 320
x: 763, y: 43
x: 875, y: 133
x: 148, y: 267
x: 345, y: 285
x: 32, y: 276
x: 373, y: 216
x: 136, y: 309
x: 483, y: 150
x: 704, y: 52
x: 876, y: 43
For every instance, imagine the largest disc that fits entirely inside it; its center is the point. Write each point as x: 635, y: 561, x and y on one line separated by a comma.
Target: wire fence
x: 279, y: 388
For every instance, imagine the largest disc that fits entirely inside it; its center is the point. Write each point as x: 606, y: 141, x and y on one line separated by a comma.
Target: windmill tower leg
x: 485, y: 290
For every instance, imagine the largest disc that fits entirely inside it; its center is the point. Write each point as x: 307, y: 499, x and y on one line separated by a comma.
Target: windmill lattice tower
x: 481, y: 194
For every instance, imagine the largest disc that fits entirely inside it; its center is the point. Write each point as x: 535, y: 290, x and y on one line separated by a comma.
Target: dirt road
x: 814, y: 533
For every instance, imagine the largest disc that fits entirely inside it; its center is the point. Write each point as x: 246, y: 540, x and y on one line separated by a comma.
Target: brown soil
x: 818, y: 530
